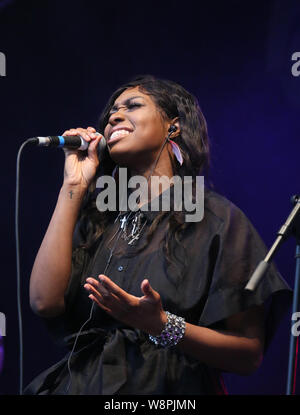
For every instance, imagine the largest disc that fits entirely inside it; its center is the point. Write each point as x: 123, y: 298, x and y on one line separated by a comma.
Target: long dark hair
x: 173, y: 101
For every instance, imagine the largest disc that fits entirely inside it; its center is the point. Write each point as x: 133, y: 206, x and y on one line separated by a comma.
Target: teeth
x: 119, y: 133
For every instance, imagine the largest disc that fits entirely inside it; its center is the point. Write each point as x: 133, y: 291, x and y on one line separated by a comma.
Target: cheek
x: 151, y: 131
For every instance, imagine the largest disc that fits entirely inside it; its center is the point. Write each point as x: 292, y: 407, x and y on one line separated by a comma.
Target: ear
x: 175, y: 122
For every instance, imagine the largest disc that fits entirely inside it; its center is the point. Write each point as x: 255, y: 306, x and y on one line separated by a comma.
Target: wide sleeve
x: 239, y: 251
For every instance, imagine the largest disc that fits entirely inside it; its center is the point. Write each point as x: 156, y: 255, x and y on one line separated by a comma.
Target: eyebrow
x: 127, y: 101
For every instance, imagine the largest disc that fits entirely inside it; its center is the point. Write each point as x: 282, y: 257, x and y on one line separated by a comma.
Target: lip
x: 117, y: 138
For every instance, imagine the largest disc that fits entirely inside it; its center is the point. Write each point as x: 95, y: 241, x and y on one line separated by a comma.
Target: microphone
x: 73, y: 142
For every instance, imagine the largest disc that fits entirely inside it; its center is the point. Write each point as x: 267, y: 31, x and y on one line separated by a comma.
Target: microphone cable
x: 17, y: 238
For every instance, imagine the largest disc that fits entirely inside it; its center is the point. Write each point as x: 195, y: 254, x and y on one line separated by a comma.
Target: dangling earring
x: 177, y: 152
x: 175, y: 147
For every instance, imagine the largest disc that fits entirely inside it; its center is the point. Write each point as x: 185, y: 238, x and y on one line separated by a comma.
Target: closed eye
x: 134, y: 105
x: 129, y: 106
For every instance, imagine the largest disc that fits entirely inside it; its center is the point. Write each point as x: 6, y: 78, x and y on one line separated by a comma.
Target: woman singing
x: 148, y: 302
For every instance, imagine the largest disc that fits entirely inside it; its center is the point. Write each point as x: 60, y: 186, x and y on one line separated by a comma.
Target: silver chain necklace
x: 132, y: 226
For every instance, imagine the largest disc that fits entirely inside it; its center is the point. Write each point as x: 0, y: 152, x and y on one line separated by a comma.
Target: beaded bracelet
x: 173, y: 331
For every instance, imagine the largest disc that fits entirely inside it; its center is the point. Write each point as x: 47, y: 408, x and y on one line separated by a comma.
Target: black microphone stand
x: 290, y: 228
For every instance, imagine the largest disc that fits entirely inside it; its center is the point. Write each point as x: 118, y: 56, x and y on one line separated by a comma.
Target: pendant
x: 131, y: 230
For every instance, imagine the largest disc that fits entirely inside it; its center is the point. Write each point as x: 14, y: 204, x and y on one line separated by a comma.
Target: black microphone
x: 73, y: 142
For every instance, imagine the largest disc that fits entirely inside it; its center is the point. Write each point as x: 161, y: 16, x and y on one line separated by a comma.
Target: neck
x: 162, y: 172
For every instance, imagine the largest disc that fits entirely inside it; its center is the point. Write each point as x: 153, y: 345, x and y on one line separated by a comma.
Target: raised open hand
x: 144, y: 313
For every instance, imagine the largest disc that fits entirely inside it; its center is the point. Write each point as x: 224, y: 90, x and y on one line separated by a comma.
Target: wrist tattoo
x: 71, y: 193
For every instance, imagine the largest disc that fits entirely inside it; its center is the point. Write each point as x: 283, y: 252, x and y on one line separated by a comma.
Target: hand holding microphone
x: 80, y: 168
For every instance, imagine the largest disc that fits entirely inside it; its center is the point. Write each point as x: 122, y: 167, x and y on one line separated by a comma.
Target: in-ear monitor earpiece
x: 172, y: 129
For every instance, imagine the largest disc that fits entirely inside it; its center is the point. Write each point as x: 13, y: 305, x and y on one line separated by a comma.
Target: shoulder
x: 221, y: 210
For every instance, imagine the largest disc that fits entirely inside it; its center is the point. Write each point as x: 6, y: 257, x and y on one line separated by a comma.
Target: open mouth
x: 117, y: 135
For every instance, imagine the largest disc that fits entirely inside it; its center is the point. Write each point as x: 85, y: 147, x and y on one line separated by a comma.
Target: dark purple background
x: 63, y: 61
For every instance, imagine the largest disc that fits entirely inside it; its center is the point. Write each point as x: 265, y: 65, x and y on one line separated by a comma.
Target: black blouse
x: 205, y: 285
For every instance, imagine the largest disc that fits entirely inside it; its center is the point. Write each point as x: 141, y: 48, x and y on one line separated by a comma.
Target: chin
x: 122, y: 157
x: 126, y: 155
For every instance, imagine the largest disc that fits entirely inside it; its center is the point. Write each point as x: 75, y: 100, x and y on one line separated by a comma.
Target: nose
x: 116, y: 117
